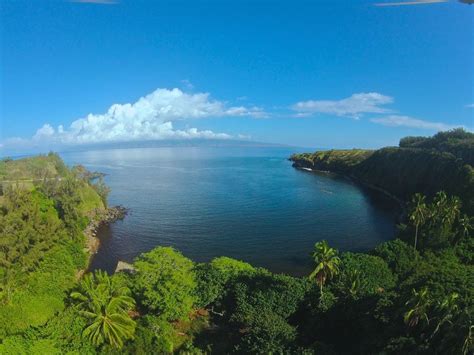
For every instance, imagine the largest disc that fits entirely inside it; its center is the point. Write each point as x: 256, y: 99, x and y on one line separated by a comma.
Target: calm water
x: 246, y: 203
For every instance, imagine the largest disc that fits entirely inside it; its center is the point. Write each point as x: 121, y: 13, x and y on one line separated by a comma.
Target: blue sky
x: 313, y: 73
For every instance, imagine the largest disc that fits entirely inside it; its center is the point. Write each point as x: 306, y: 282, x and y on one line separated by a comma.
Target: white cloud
x: 404, y: 3
x: 353, y: 106
x: 149, y: 118
x: 406, y: 121
x: 45, y: 132
x: 244, y: 136
x: 470, y: 106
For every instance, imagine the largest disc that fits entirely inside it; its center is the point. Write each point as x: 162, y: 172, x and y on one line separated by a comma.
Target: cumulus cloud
x: 149, y: 118
x: 45, y: 132
x: 406, y: 121
x: 354, y: 106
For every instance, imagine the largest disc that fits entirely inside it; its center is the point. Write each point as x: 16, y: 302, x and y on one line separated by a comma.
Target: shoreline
x: 401, y: 204
x: 99, y: 218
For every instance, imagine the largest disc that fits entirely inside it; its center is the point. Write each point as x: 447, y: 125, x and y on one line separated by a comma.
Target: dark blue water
x: 246, y: 203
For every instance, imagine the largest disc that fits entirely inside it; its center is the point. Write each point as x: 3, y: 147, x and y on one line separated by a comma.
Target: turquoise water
x: 246, y: 203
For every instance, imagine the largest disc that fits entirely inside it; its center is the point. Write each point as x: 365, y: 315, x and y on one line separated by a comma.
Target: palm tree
x: 418, y: 214
x: 454, y: 329
x: 105, y: 305
x: 419, y: 304
x: 445, y: 312
x: 452, y: 210
x: 327, y: 263
x: 467, y: 225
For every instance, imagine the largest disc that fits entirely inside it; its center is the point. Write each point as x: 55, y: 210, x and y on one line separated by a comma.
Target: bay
x: 247, y: 203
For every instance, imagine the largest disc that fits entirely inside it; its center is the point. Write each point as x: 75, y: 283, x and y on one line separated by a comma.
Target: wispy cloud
x: 149, y: 118
x: 406, y: 3
x: 470, y: 106
x: 354, y: 106
x: 406, y: 121
x: 100, y: 2
x: 187, y: 84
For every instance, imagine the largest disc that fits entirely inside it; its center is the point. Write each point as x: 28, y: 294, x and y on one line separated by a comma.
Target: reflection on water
x: 246, y: 203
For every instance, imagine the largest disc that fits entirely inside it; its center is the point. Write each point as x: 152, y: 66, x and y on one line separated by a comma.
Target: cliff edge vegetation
x: 419, y: 165
x: 44, y: 208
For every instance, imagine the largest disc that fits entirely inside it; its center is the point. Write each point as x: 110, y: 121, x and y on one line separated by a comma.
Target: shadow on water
x: 104, y: 259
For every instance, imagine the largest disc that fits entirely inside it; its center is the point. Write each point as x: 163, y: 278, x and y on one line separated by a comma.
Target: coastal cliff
x: 406, y: 170
x: 97, y: 218
x: 75, y: 193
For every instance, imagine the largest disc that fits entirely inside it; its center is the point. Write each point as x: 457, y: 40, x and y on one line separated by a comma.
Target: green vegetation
x: 41, y: 240
x: 35, y: 168
x: 340, y: 161
x: 419, y: 165
x: 411, y: 295
x: 327, y: 264
x: 165, y: 283
x: 457, y: 142
x: 419, y: 214
x: 105, y: 304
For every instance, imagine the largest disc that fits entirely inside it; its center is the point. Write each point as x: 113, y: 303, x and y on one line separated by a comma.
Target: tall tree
x: 466, y: 225
x: 106, y: 305
x: 102, y: 189
x: 419, y: 213
x: 327, y: 263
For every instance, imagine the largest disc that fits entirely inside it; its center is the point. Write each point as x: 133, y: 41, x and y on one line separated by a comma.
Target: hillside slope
x: 438, y: 164
x: 32, y: 172
x: 44, y: 209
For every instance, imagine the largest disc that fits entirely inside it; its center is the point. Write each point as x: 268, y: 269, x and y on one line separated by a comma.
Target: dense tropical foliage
x: 105, y: 304
x: 443, y: 162
x: 411, y: 295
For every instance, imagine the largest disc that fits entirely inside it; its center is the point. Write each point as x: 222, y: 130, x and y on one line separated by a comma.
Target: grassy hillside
x: 38, y: 167
x: 30, y: 173
x: 425, y: 165
x: 340, y: 161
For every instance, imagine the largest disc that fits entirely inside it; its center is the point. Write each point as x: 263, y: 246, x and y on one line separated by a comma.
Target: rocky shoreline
x: 98, y: 218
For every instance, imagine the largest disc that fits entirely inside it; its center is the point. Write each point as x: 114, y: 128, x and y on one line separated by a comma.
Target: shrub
x: 165, y: 282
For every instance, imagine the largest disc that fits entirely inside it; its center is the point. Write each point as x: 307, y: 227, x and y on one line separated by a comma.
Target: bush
x: 264, y: 292
x: 399, y: 256
x: 213, y: 277
x: 267, y: 333
x: 363, y: 275
x: 165, y: 282
x: 210, y: 284
x: 443, y: 274
x: 259, y: 307
x: 229, y: 268
x: 152, y: 334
